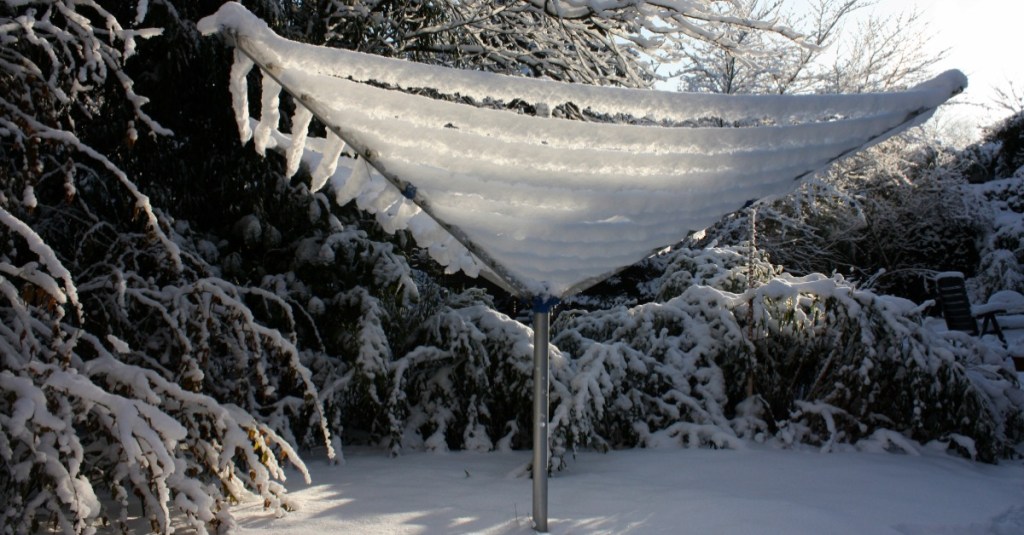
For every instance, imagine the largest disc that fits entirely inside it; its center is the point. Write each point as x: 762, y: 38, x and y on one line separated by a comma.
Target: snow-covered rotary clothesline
x: 542, y: 206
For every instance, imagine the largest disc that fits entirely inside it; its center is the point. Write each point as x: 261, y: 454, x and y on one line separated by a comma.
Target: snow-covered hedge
x: 998, y: 163
x: 791, y: 360
x: 1002, y: 259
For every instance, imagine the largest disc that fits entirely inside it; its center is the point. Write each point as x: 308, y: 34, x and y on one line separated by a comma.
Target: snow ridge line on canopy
x: 654, y: 149
x: 640, y: 103
x: 546, y: 265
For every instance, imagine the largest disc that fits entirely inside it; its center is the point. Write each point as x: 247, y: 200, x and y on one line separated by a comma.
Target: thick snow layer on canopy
x: 545, y: 206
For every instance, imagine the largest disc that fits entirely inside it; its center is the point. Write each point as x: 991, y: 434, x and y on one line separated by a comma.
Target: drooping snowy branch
x: 78, y: 52
x: 602, y: 43
x: 142, y: 205
x: 94, y: 419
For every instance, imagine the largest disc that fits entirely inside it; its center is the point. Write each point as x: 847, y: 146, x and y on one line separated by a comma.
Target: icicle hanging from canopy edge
x: 347, y: 188
x: 328, y: 161
x: 300, y: 130
x: 270, y: 114
x: 240, y: 93
x: 351, y: 178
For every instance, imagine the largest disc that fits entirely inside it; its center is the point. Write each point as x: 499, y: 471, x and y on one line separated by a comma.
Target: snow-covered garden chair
x: 960, y: 315
x: 957, y: 309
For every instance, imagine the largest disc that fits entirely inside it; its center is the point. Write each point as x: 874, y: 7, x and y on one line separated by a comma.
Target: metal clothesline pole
x: 541, y: 366
x: 540, y: 419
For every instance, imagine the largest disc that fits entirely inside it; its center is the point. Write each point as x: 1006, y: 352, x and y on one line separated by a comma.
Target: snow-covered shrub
x: 1007, y: 138
x: 120, y: 347
x: 1000, y: 158
x: 1001, y: 265
x: 646, y: 375
x: 398, y: 360
x: 643, y: 376
x: 432, y: 370
x: 732, y: 269
x: 834, y: 364
x: 93, y: 422
x: 468, y: 384
x: 887, y: 219
x: 798, y: 359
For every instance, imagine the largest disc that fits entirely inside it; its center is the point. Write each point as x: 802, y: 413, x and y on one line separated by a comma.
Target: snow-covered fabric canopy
x: 543, y: 206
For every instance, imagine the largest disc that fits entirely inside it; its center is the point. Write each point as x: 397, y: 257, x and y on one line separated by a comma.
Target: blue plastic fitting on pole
x: 544, y: 303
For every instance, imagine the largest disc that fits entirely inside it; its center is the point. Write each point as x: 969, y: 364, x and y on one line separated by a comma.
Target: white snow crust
x: 543, y: 205
x: 756, y: 490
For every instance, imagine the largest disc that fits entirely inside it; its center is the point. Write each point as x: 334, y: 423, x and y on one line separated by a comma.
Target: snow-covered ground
x: 754, y: 490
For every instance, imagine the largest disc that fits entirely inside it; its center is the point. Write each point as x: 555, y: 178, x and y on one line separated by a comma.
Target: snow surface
x: 754, y: 490
x: 547, y: 206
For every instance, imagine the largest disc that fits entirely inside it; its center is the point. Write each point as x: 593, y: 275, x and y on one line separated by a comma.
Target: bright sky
x: 985, y: 39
